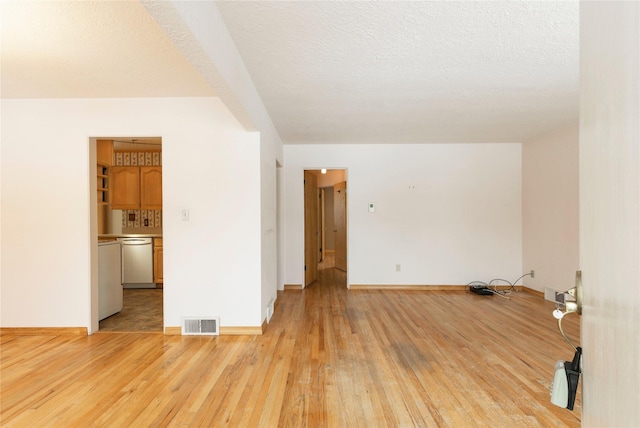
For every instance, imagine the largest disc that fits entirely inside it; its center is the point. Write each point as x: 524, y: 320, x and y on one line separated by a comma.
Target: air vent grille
x: 200, y: 326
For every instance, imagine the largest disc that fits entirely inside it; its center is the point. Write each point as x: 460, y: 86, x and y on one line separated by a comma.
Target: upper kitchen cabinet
x: 151, y: 187
x: 136, y: 187
x: 125, y: 188
x: 104, y: 152
x: 136, y: 174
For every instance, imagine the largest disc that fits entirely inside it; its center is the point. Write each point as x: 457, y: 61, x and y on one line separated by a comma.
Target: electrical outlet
x: 146, y: 222
x: 397, y: 268
x: 533, y: 273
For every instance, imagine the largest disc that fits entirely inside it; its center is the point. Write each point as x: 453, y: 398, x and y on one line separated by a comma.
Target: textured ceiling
x: 327, y: 71
x: 90, y: 49
x: 410, y: 71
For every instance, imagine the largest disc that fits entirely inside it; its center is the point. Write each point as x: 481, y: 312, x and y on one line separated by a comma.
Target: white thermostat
x: 371, y: 207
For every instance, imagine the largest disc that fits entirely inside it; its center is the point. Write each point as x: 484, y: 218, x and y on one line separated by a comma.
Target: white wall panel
x: 211, y: 166
x: 550, y: 209
x: 447, y: 213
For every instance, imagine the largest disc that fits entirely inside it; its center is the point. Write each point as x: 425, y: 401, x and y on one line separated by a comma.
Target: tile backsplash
x: 153, y: 217
x: 137, y: 158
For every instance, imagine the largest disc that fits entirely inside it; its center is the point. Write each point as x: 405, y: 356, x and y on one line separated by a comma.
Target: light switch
x: 185, y: 215
x: 372, y: 208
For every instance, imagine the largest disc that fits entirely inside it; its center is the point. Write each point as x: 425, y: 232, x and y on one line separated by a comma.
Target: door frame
x: 346, y: 178
x: 94, y: 322
x: 310, y: 270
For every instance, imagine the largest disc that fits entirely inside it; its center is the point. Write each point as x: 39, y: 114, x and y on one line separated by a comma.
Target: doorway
x: 129, y: 205
x: 325, y: 221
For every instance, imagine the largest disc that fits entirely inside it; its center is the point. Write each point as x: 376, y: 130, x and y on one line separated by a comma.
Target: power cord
x: 502, y: 293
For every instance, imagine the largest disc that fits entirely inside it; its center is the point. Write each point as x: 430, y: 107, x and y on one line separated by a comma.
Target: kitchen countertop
x: 107, y: 242
x: 129, y: 235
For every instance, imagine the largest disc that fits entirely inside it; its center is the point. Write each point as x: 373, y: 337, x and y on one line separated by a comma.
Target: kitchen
x: 130, y: 245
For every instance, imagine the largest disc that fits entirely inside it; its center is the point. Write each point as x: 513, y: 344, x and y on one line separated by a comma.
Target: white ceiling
x: 90, y: 49
x: 327, y: 71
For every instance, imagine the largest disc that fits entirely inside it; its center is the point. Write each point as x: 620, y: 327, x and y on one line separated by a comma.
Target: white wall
x: 269, y: 227
x: 197, y: 29
x: 211, y: 166
x: 1, y: 204
x: 610, y: 212
x: 550, y: 209
x: 449, y: 214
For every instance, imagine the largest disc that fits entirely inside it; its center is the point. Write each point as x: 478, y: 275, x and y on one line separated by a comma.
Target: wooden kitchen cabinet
x: 125, y: 188
x: 136, y: 187
x: 157, y: 262
x: 104, y: 160
x: 102, y: 185
x: 151, y: 187
x: 104, y: 152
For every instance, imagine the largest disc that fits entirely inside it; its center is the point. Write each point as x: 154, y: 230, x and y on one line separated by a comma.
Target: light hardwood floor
x: 329, y: 358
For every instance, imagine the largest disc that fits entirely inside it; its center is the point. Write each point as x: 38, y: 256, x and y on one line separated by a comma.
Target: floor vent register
x: 200, y: 326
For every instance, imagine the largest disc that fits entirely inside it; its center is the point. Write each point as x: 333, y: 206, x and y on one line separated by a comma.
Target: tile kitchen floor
x: 142, y: 311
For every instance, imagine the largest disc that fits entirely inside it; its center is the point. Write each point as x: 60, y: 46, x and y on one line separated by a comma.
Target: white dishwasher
x: 137, y: 262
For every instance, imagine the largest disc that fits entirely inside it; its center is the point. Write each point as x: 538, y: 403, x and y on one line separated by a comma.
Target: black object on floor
x: 483, y: 291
